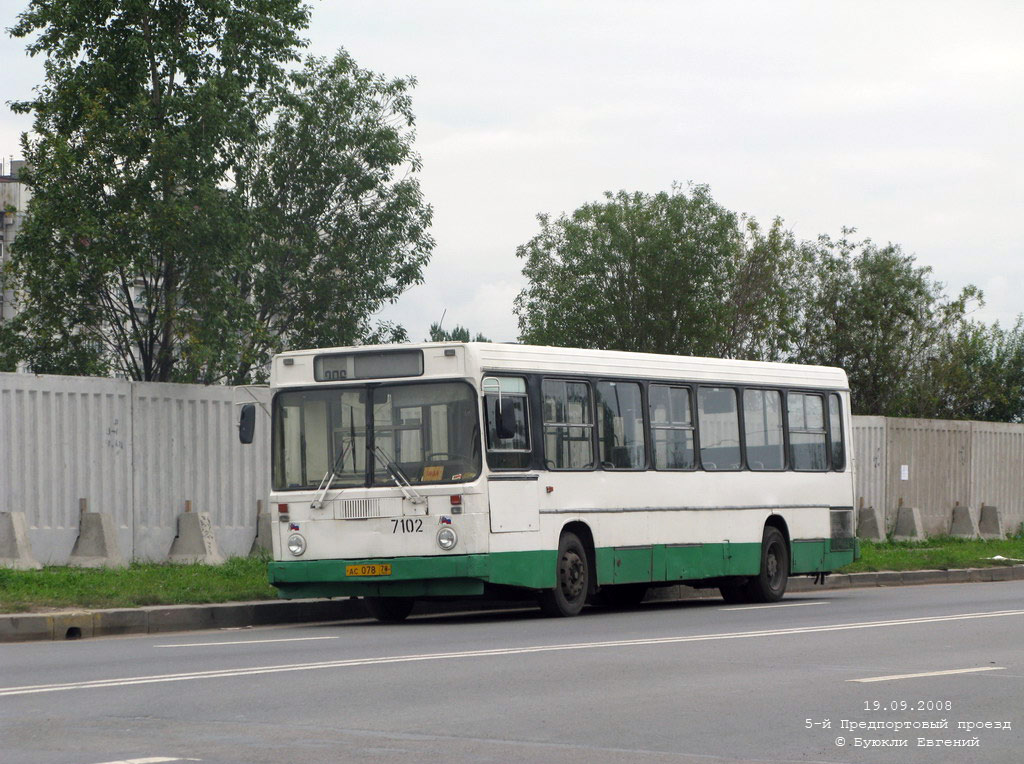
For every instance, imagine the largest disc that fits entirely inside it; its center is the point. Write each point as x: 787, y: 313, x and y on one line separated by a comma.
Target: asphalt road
x: 695, y: 681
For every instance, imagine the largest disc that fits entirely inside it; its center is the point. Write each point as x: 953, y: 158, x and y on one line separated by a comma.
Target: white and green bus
x: 441, y: 470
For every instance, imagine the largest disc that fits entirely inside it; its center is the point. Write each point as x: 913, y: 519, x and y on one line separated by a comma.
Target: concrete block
x: 1018, y: 572
x: 908, y: 525
x: 869, y: 524
x: 925, y: 576
x: 963, y: 525
x: 975, y: 575
x: 889, y: 578
x: 1002, y: 574
x: 192, y: 617
x: 78, y: 625
x: 863, y: 579
x: 195, y: 541
x: 303, y: 611
x: 990, y: 524
x: 264, y: 528
x: 800, y: 585
x: 15, y: 545
x: 107, y: 623
x: 959, y: 576
x: 837, y: 581
x: 96, y: 545
x: 25, y: 628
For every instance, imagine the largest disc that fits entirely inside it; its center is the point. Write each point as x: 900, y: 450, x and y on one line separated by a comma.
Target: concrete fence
x: 935, y: 466
x: 137, y: 451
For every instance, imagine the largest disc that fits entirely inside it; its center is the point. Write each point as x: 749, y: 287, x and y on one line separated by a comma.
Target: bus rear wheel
x: 770, y: 584
x: 389, y: 609
x: 572, y: 581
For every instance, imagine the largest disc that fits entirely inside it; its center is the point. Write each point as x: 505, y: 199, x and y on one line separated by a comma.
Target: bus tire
x: 389, y: 609
x: 770, y: 583
x: 572, y: 580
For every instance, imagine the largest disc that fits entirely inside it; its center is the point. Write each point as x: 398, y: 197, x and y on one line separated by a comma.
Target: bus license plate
x: 375, y: 569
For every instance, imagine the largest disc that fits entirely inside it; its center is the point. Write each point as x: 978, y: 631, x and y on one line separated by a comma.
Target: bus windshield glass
x: 428, y: 430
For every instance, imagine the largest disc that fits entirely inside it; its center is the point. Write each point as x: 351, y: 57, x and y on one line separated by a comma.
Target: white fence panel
x: 869, y: 440
x: 63, y: 439
x: 187, y: 449
x: 136, y: 450
x: 997, y: 474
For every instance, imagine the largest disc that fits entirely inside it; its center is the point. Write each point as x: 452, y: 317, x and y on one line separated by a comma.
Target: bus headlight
x: 447, y: 538
x: 296, y: 544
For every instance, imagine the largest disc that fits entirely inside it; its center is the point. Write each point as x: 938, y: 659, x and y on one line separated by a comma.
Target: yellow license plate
x: 374, y: 569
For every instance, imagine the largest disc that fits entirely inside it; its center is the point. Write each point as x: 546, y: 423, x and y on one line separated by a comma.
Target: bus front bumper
x: 440, y: 576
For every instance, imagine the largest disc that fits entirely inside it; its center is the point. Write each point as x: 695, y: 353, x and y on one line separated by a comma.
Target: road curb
x: 78, y: 624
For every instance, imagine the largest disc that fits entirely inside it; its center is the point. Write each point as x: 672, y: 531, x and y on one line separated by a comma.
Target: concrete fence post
x: 96, y: 545
x: 15, y: 545
x: 195, y: 541
x: 990, y: 523
x: 963, y: 525
x: 869, y: 525
x: 262, y: 542
x: 908, y: 525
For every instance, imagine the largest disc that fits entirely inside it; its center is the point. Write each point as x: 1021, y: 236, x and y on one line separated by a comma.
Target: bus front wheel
x: 572, y: 579
x: 389, y: 609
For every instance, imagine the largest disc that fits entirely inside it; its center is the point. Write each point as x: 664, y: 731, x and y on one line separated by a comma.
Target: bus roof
x: 509, y: 357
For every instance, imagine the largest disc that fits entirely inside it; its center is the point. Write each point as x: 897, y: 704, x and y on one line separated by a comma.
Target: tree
x: 195, y: 207
x: 669, y: 273
x: 977, y: 372
x: 456, y: 334
x: 145, y: 112
x: 872, y: 311
x: 338, y: 225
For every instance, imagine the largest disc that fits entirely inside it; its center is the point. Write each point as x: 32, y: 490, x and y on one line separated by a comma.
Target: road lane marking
x: 761, y: 607
x: 149, y: 760
x: 246, y: 642
x: 501, y: 651
x: 891, y: 677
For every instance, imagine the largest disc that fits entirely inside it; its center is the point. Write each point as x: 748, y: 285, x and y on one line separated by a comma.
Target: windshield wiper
x: 398, y: 476
x: 325, y: 484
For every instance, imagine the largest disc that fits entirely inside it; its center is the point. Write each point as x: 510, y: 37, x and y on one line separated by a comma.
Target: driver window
x: 508, y: 432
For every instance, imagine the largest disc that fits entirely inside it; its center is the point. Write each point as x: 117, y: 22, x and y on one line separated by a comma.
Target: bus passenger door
x: 514, y: 502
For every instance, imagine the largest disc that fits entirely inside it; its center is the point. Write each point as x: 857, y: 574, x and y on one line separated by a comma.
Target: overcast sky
x: 903, y: 120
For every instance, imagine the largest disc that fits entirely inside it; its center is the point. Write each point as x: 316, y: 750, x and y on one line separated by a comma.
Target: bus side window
x: 806, y: 415
x: 568, y: 425
x: 835, y: 427
x: 719, y: 422
x: 671, y: 428
x: 508, y: 430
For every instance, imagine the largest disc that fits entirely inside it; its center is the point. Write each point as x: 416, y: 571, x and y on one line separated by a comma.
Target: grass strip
x: 143, y: 583
x: 937, y: 553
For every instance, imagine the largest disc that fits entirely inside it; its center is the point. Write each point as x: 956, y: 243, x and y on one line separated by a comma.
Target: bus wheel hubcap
x: 572, y: 575
x: 772, y: 566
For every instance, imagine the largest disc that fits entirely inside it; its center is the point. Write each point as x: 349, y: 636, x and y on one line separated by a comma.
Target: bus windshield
x: 429, y: 430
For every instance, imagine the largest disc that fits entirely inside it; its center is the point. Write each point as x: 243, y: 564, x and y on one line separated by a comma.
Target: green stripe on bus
x: 453, y: 575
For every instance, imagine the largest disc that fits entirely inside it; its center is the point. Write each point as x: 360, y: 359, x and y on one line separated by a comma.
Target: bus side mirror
x: 505, y: 419
x: 247, y: 423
